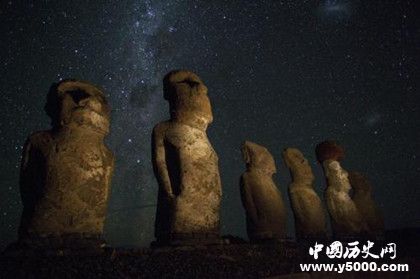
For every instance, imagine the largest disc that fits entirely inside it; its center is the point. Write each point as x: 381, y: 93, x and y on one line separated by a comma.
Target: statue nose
x: 94, y: 104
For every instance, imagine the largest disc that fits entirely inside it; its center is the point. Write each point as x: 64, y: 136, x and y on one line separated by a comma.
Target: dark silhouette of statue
x: 263, y: 202
x: 362, y: 198
x: 307, y: 206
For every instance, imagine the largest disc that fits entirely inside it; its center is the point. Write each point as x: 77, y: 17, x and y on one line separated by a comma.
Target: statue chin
x: 91, y: 120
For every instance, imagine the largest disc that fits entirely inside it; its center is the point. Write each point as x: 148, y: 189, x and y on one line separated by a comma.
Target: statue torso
x: 77, y: 179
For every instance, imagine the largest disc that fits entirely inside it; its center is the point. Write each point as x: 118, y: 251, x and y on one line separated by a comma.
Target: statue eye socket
x: 190, y: 82
x: 78, y: 95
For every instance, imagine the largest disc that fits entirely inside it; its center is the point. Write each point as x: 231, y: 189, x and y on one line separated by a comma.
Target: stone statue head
x: 187, y: 97
x: 258, y: 157
x: 298, y: 165
x: 359, y: 182
x: 329, y: 150
x: 78, y: 105
x: 337, y: 176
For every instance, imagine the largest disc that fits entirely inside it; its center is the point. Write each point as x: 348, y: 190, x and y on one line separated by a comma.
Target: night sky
x: 280, y: 73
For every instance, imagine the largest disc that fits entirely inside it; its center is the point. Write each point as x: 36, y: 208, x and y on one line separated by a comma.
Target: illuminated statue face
x: 337, y: 174
x: 297, y: 163
x: 258, y: 157
x: 82, y: 105
x: 187, y: 96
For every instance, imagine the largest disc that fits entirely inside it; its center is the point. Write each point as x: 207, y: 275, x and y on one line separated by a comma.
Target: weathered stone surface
x: 66, y: 171
x: 362, y: 197
x: 346, y: 220
x: 186, y: 165
x: 263, y: 202
x: 307, y: 207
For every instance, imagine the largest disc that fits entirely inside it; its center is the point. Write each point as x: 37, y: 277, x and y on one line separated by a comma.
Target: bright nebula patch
x: 338, y: 10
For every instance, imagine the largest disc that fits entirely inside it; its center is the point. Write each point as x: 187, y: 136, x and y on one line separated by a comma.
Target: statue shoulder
x: 39, y: 138
x: 251, y: 180
x: 108, y: 153
x: 161, y: 128
x: 245, y: 176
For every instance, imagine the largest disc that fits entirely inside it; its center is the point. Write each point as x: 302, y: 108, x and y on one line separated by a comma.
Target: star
x: 280, y: 73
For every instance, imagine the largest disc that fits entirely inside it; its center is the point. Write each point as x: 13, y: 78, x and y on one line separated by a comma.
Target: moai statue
x: 346, y: 220
x: 263, y: 202
x: 66, y: 171
x: 186, y: 166
x: 362, y: 197
x: 307, y: 207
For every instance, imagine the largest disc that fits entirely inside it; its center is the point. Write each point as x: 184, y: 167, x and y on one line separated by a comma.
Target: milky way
x: 279, y: 73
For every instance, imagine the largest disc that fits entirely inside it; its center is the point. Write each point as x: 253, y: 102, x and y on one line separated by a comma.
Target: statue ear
x: 286, y: 159
x: 288, y: 156
x: 245, y: 153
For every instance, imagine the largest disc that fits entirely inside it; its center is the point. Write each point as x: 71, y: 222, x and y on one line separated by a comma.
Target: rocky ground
x: 242, y: 260
x: 232, y: 261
